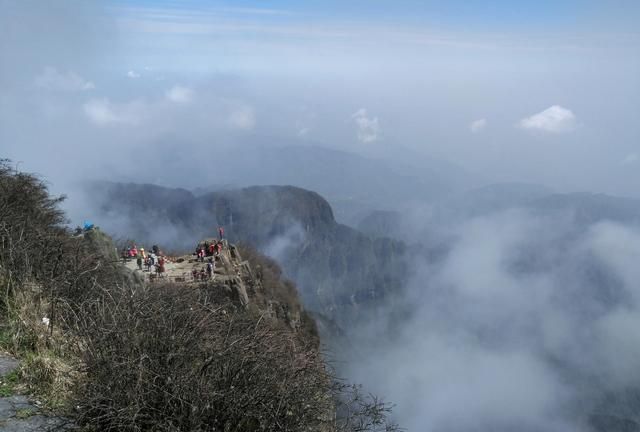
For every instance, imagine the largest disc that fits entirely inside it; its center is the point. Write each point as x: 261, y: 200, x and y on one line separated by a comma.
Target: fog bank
x: 526, y: 323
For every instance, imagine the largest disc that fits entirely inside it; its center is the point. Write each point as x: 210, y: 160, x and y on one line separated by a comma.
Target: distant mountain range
x: 335, y: 266
x: 338, y: 270
x: 581, y: 208
x: 353, y: 184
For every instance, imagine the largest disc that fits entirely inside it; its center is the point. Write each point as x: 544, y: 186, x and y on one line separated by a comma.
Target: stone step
x: 7, y: 364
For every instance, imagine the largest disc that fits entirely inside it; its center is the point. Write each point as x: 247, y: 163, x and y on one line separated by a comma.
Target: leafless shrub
x: 38, y: 253
x: 30, y: 221
x: 275, y: 287
x: 166, y: 358
x: 160, y: 357
x: 357, y: 411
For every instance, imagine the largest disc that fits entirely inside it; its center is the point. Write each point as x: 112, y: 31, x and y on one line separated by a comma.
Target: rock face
x: 339, y: 271
x: 241, y: 280
x: 381, y: 223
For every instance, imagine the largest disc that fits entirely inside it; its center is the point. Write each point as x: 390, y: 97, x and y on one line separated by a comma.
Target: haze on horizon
x: 539, y: 92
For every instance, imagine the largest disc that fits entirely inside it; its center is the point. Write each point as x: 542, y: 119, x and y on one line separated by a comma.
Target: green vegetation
x: 24, y: 413
x: 8, y: 384
x: 5, y: 338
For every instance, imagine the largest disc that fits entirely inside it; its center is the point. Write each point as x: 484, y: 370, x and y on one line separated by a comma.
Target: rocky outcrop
x: 339, y: 271
x: 241, y: 280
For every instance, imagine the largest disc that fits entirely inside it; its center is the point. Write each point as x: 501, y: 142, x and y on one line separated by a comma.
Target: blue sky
x: 455, y: 79
x: 196, y: 27
x: 479, y: 15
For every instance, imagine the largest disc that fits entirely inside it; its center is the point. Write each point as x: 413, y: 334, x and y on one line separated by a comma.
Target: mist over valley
x: 437, y: 201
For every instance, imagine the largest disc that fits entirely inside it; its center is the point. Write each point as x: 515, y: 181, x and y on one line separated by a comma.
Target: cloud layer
x: 242, y: 117
x: 103, y: 112
x: 179, y: 94
x: 52, y: 79
x: 478, y: 126
x: 367, y: 128
x: 630, y: 159
x: 515, y: 328
x: 419, y: 88
x: 554, y: 119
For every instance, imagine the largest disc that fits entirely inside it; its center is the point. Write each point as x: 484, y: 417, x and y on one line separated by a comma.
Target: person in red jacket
x: 161, y: 268
x: 221, y: 232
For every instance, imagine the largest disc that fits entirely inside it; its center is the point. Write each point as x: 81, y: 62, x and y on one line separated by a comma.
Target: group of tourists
x: 205, y: 273
x: 207, y: 249
x: 152, y: 262
x: 155, y: 261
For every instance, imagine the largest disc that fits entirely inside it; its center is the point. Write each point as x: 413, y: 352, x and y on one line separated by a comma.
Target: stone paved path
x: 18, y: 414
x: 7, y: 364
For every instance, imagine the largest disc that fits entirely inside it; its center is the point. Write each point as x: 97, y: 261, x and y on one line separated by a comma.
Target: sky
x: 534, y: 91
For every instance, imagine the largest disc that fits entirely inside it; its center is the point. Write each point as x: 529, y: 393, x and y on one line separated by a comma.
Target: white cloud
x: 52, y: 79
x: 133, y: 74
x: 103, y: 112
x: 630, y: 159
x: 477, y: 126
x: 554, y: 119
x: 180, y: 94
x: 242, y: 117
x: 368, y: 128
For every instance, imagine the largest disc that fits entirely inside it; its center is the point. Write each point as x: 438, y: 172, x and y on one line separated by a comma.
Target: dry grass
x: 48, y: 368
x: 163, y: 358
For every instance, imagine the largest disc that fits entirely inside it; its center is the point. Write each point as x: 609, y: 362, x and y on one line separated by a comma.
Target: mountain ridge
x: 339, y: 271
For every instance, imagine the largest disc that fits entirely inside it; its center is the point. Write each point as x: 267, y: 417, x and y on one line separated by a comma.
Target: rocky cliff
x: 240, y: 275
x: 339, y: 270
